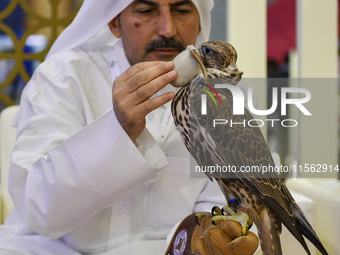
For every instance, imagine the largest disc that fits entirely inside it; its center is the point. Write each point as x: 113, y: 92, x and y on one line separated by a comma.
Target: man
x: 150, y: 31
x: 94, y: 176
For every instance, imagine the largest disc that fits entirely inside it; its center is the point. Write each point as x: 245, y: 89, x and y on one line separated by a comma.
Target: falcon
x: 265, y: 197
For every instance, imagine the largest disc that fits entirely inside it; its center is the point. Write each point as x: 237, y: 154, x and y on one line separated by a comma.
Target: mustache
x: 164, y: 43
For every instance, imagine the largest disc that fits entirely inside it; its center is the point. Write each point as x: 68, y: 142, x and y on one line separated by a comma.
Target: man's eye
x: 182, y: 11
x: 146, y: 11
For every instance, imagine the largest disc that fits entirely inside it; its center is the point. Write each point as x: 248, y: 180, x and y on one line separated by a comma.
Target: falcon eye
x: 207, y: 50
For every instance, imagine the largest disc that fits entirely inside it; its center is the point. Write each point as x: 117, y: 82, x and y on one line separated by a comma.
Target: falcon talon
x: 200, y: 215
x: 217, y: 210
x: 229, y: 211
x: 241, y: 218
x: 196, y: 220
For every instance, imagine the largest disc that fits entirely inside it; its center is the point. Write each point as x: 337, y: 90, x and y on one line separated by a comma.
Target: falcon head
x: 218, y: 55
x: 217, y: 58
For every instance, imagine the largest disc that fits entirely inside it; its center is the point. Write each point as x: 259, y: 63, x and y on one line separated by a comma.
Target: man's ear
x: 115, y: 27
x: 199, y: 29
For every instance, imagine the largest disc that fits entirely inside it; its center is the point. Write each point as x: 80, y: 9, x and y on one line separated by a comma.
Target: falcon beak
x: 196, y: 55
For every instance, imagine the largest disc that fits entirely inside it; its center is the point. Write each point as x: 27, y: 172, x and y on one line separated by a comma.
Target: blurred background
x: 28, y: 29
x: 280, y: 43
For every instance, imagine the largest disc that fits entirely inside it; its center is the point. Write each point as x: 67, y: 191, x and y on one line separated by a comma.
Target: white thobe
x: 79, y: 184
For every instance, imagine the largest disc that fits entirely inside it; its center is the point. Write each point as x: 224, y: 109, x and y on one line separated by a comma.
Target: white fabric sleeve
x: 64, y: 170
x: 210, y: 196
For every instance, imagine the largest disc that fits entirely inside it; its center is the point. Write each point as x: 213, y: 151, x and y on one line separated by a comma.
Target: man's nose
x: 166, y: 25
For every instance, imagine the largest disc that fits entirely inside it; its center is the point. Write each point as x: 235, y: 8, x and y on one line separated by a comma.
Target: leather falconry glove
x: 213, y: 234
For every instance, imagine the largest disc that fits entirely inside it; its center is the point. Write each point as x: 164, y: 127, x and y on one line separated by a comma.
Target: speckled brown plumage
x: 269, y: 201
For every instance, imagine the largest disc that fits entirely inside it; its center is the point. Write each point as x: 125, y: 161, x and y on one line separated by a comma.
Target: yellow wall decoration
x: 36, y: 21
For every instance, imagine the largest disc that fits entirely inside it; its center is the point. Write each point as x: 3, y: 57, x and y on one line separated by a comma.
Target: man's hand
x: 212, y: 234
x: 223, y: 237
x: 132, y: 90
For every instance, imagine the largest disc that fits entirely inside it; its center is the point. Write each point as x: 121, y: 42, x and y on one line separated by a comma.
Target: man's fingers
x: 131, y: 91
x: 133, y: 70
x: 120, y: 82
x: 148, y: 75
x: 152, y: 104
x: 145, y: 92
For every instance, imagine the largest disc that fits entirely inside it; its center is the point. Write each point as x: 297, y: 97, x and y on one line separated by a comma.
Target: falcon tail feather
x: 268, y: 234
x: 275, y: 237
x: 275, y: 241
x: 307, y: 230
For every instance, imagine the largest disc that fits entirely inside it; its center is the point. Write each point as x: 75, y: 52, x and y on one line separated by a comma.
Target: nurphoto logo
x: 239, y: 104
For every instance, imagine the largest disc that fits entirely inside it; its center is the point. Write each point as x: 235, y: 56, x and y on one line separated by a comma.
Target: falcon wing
x: 238, y: 146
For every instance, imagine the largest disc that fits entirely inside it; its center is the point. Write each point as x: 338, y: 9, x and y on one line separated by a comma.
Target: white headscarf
x: 89, y: 28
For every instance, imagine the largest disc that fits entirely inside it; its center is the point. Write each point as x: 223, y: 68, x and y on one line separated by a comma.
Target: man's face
x: 154, y: 30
